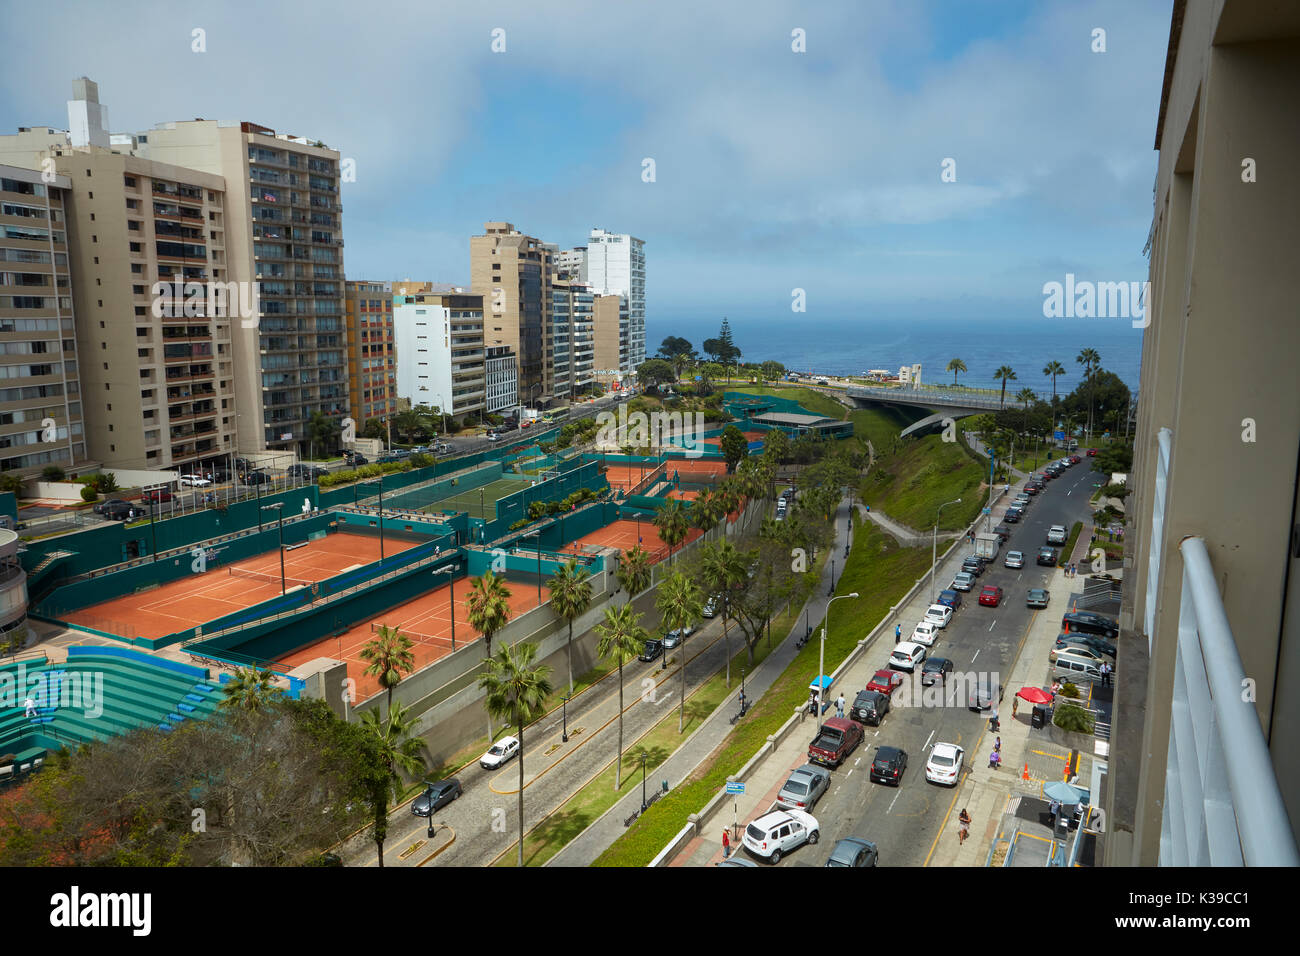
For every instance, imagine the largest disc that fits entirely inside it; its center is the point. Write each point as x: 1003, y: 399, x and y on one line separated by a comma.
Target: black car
x: 1013, y: 515
x: 1047, y: 557
x: 1003, y: 532
x: 653, y: 648
x: 255, y: 478
x: 306, y: 471
x: 242, y: 465
x: 851, y: 851
x: 1087, y: 622
x: 1090, y: 641
x: 888, y: 765
x: 973, y: 566
x: 355, y: 458
x: 935, y: 669
x: 118, y: 510
x: 870, y: 707
x: 981, y: 696
x: 436, y: 796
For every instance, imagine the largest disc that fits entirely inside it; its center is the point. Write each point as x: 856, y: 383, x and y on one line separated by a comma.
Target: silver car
x: 804, y: 788
x: 963, y: 581
x: 1015, y: 559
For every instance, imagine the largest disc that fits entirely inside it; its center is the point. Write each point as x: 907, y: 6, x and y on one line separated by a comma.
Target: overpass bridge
x: 948, y: 403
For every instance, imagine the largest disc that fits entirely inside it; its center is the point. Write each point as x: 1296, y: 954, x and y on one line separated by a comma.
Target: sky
x: 774, y: 170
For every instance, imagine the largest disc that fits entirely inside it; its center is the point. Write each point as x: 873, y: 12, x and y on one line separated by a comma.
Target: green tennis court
x: 478, y: 502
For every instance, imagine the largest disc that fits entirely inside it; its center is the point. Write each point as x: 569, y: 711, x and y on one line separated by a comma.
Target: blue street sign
x: 986, y: 510
x: 735, y: 788
x: 1059, y: 435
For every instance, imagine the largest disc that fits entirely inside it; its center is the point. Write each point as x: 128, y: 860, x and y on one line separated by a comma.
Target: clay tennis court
x: 626, y: 477
x: 697, y: 468
x: 426, y: 620
x: 749, y: 436
x: 622, y: 534
x: 198, y: 598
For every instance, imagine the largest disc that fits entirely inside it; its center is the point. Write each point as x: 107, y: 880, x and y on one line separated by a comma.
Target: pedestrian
x: 995, y: 759
x: 1053, y: 811
x: 898, y: 633
x: 997, y: 746
x: 30, y: 706
x: 963, y: 826
x: 1015, y: 705
x: 839, y: 705
x: 726, y: 843
x: 993, y: 722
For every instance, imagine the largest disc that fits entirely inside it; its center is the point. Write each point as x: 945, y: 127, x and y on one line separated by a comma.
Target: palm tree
x: 249, y: 689
x: 489, y: 611
x: 621, y: 637
x: 1005, y: 373
x: 723, y: 568
x: 673, y: 523
x: 1026, y: 398
x: 570, y: 589
x: 955, y: 366
x: 516, y: 694
x: 397, y: 750
x: 707, y: 510
x: 680, y: 361
x: 1090, y: 361
x: 390, y: 658
x: 634, y: 570
x: 1052, y: 369
x: 728, y: 498
x: 407, y: 423
x: 681, y: 605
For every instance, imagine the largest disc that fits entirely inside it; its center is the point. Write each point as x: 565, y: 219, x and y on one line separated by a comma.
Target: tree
x: 776, y: 446
x: 390, y: 657
x: 322, y: 432
x: 680, y: 605
x: 570, y: 588
x: 1090, y: 361
x: 673, y: 523
x: 53, y: 473
x: 396, y: 750
x: 706, y: 510
x: 1005, y: 373
x: 409, y: 423
x: 674, y: 347
x: 654, y: 372
x: 488, y: 608
x: 734, y: 445
x: 955, y: 366
x: 517, y: 689
x: 249, y: 689
x: 723, y: 569
x: 619, y: 639
x: 772, y: 370
x: 1027, y: 400
x: 1052, y: 369
x: 634, y: 570
x: 12, y: 483
x: 723, y: 349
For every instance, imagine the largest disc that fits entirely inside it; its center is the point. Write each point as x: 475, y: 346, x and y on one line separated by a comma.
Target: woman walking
x: 963, y: 828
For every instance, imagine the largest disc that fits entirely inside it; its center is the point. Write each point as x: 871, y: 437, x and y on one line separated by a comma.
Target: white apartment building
x: 615, y: 265
x: 501, y: 378
x: 440, y: 351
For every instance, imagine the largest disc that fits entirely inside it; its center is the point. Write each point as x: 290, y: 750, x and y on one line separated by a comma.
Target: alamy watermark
x: 1085, y: 299
x: 43, y: 690
x: 194, y: 300
x: 684, y: 430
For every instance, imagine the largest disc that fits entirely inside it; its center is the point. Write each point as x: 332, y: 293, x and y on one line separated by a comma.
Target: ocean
x: 852, y: 348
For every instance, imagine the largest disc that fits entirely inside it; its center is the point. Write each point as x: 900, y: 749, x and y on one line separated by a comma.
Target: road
x: 904, y: 821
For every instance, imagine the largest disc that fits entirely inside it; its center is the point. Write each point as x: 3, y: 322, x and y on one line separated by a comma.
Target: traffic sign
x: 1059, y: 435
x: 735, y: 788
x: 987, y: 510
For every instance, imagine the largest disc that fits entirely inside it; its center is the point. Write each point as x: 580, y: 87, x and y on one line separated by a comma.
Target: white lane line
x: 991, y: 625
x: 849, y: 774
x: 926, y: 745
x: 890, y: 808
x: 977, y: 654
x: 858, y: 761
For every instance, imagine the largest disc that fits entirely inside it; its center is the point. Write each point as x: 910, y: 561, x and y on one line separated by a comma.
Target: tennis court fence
x: 263, y: 578
x: 433, y: 640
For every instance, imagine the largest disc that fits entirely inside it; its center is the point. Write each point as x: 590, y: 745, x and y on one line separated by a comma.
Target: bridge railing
x: 933, y: 396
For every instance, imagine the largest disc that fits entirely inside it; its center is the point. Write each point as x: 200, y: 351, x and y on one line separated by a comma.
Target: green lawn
x: 917, y: 474
x: 815, y: 402
x: 879, y: 424
x: 880, y: 571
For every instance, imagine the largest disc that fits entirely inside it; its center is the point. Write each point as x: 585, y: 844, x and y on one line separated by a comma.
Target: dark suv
x: 1086, y: 622
x: 973, y: 566
x: 119, y: 510
x: 870, y: 707
x: 355, y: 458
x: 306, y: 471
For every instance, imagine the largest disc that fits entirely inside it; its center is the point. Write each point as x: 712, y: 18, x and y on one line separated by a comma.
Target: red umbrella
x: 1035, y: 695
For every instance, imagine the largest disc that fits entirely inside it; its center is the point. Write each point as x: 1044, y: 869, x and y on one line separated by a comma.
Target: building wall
x: 609, y: 338
x: 1217, y: 362
x: 372, y: 350
x: 440, y: 351
x: 512, y: 272
x: 616, y: 265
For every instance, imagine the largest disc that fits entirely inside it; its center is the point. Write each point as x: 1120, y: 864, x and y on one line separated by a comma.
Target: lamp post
x: 450, y: 571
x: 934, y: 545
x: 537, y: 544
x: 832, y: 587
x: 564, y: 716
x: 278, y: 508
x: 380, y: 483
x: 153, y: 530
x: 821, y: 654
x: 643, y: 803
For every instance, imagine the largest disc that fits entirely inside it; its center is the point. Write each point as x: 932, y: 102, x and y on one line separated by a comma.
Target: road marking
x: 977, y: 654
x: 926, y: 745
x: 991, y: 625
x: 890, y: 809
x: 849, y: 774
x: 857, y: 761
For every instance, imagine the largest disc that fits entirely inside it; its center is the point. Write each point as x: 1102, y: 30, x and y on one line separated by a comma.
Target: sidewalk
x: 907, y: 537
x: 593, y: 841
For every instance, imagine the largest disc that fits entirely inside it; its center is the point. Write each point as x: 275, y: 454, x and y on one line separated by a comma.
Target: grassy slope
x: 880, y: 571
x: 925, y: 472
x: 815, y: 402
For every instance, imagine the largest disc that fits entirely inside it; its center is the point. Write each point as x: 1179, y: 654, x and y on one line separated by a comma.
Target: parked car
x: 851, y: 851
x: 944, y: 765
x: 1013, y: 515
x: 118, y: 510
x: 981, y: 695
x: 1092, y: 453
x: 499, y: 753
x: 1036, y: 598
x: 950, y: 598
x: 938, y: 614
x: 1088, y: 622
x: 925, y: 633
x: 436, y: 796
x: 907, y: 656
x: 194, y: 481
x: 973, y: 566
x: 775, y: 834
x: 1047, y: 557
x: 837, y: 738
x: 305, y: 471
x: 1098, y: 645
x: 963, y: 581
x: 935, y: 669
x: 1075, y: 459
x: 990, y: 595
x: 1003, y: 532
x: 888, y: 764
x: 653, y: 648
x: 1072, y: 667
x: 1057, y: 534
x: 1021, y: 501
x: 803, y: 788
x: 1033, y: 487
x: 1014, y: 559
x: 710, y: 607
x: 1075, y: 650
x: 157, y: 494
x: 676, y: 636
x: 255, y: 478
x: 885, y: 682
x: 871, y: 706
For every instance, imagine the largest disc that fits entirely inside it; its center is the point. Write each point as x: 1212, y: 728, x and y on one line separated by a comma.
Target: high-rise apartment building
x: 284, y: 231
x: 372, y: 350
x: 610, y: 363
x: 572, y: 264
x: 147, y: 242
x: 512, y: 272
x: 501, y: 380
x: 1204, y: 764
x: 569, y: 343
x: 40, y: 394
x: 440, y: 351
x: 615, y: 265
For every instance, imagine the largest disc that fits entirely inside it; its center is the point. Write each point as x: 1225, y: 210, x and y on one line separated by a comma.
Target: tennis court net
x: 264, y: 578
x: 432, y: 639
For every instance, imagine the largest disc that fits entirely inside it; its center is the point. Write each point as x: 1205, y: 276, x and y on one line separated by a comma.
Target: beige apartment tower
x: 512, y: 272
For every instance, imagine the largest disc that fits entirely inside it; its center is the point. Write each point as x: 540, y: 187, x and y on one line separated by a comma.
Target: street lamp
x: 380, y: 483
x: 643, y: 803
x: 564, y: 716
x: 278, y: 508
x: 821, y: 654
x: 537, y: 544
x: 149, y: 495
x: 450, y: 571
x: 934, y: 546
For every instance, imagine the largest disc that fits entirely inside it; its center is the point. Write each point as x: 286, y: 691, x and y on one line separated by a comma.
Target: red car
x: 886, y: 682
x: 990, y: 595
x: 1092, y: 453
x: 1075, y: 459
x: 158, y: 494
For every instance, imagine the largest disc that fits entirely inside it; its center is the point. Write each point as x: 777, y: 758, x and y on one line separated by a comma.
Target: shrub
x: 89, y: 494
x: 53, y: 473
x: 1069, y: 690
x: 11, y: 483
x: 520, y: 523
x: 1074, y: 719
x: 422, y: 461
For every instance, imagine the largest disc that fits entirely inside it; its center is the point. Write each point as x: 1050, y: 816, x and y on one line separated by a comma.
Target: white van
x: 1073, y: 668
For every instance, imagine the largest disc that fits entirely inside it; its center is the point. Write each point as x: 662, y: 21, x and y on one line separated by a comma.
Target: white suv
x: 938, y: 614
x: 1056, y: 534
x: 926, y: 632
x: 906, y: 656
x: 777, y: 833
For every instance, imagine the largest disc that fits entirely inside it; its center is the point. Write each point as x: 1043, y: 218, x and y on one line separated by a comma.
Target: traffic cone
x: 1025, y: 773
